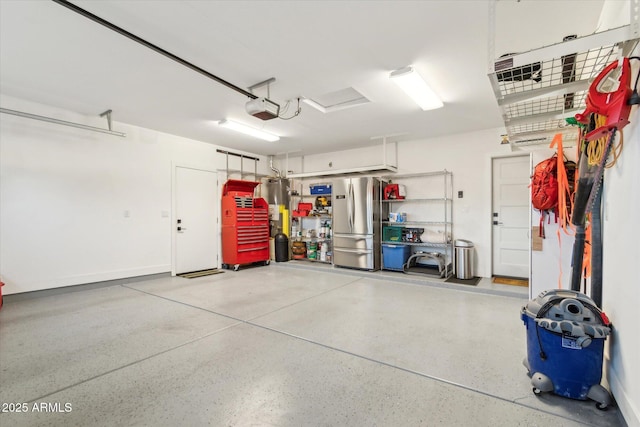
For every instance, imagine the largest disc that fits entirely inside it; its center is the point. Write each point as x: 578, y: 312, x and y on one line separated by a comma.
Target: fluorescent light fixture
x: 248, y: 130
x: 410, y: 81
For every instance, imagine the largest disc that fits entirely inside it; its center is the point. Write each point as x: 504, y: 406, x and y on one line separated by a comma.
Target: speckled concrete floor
x: 277, y: 345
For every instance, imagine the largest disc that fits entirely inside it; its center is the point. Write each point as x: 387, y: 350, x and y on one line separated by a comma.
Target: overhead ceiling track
x: 65, y: 123
x: 152, y: 46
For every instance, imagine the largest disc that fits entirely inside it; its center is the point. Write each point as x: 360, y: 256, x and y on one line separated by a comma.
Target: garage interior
x: 116, y: 154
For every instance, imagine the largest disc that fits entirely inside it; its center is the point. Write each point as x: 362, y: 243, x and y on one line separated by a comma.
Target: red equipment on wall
x: 245, y: 225
x: 612, y: 105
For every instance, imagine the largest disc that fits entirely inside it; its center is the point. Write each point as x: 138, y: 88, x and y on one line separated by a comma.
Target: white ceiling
x: 54, y: 56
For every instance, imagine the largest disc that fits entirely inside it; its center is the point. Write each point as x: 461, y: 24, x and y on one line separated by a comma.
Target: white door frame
x: 174, y: 218
x: 489, y: 212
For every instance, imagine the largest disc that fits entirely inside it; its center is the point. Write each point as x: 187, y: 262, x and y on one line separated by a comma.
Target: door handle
x: 497, y: 223
x: 181, y: 228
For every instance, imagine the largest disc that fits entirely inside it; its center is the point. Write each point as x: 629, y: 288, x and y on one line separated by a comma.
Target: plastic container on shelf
x: 397, y: 217
x: 312, y: 250
x: 320, y: 189
x: 395, y: 256
x: 392, y: 233
x: 324, y: 248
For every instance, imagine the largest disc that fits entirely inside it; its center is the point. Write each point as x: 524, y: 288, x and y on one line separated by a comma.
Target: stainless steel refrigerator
x: 356, y: 223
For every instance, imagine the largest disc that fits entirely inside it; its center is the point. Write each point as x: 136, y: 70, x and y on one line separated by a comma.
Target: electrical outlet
x: 460, y: 194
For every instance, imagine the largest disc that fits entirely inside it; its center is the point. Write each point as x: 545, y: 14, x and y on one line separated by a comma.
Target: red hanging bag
x: 544, y: 188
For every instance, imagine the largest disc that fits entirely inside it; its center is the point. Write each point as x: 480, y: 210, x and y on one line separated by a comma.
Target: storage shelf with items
x: 539, y: 89
x: 417, y: 236
x: 311, y: 223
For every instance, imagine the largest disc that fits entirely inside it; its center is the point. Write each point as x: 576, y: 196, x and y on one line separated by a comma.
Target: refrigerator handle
x: 350, y: 207
x: 370, y: 198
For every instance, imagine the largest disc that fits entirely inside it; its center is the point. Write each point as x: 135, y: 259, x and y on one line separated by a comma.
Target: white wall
x: 621, y: 272
x: 64, y: 193
x: 621, y: 252
x: 467, y: 156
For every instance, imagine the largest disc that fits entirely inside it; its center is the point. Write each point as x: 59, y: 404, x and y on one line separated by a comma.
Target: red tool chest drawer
x: 245, y: 225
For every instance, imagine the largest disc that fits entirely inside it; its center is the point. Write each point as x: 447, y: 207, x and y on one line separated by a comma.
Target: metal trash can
x: 464, y: 259
x: 565, y: 341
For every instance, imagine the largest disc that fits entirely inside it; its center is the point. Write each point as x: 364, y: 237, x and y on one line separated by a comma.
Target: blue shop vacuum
x: 565, y: 342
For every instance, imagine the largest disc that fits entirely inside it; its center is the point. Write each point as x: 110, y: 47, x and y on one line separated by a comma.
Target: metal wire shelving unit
x: 537, y: 90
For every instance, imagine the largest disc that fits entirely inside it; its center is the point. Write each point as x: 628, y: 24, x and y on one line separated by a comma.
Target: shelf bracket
x: 108, y: 115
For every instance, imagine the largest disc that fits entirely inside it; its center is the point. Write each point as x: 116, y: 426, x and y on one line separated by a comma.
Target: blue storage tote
x: 395, y: 256
x: 316, y: 189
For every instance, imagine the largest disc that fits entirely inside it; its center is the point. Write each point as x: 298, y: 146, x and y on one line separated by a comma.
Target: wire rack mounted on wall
x: 537, y: 90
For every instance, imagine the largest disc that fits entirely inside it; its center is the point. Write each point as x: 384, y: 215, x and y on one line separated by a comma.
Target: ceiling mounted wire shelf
x: 537, y: 90
x: 548, y: 125
x: 545, y: 136
x: 543, y: 106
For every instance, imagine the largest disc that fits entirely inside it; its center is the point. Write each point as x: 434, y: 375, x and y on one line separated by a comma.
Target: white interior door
x: 511, y: 177
x: 195, y: 220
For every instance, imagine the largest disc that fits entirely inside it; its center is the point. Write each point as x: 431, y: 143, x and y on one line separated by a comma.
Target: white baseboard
x: 81, y: 279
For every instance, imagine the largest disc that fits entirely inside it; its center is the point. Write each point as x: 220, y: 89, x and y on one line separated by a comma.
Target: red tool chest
x: 245, y: 225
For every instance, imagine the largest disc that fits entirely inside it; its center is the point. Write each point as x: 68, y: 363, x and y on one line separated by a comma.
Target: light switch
x: 127, y: 214
x: 164, y: 214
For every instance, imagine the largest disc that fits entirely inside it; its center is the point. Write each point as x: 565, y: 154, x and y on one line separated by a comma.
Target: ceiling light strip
x: 413, y: 85
x: 248, y: 130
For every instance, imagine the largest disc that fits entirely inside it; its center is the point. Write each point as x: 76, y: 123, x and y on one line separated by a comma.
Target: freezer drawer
x: 354, y: 258
x: 353, y: 241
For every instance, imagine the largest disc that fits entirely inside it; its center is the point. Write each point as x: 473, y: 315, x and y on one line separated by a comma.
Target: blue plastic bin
x: 395, y: 256
x: 316, y: 189
x: 565, y: 344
